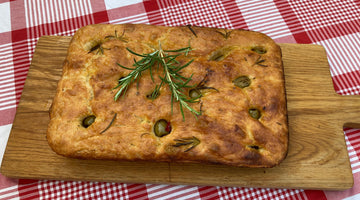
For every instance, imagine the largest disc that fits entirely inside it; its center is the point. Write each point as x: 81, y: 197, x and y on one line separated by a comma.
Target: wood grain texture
x: 317, y: 157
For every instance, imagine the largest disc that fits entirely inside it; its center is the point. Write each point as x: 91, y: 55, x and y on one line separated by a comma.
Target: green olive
x: 242, y: 82
x: 162, y: 128
x: 87, y: 121
x: 195, y: 93
x: 221, y: 54
x: 254, y: 113
x: 259, y: 49
x: 217, y: 56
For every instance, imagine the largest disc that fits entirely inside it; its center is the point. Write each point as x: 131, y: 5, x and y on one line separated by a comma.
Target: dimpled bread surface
x: 226, y: 132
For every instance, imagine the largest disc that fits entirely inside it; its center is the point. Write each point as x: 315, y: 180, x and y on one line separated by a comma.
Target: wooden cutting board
x: 317, y: 157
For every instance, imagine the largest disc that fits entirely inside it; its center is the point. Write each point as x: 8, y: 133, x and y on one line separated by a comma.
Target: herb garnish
x: 193, y: 141
x: 171, y: 76
x: 98, y: 48
x: 195, y: 93
x: 201, y: 85
x: 112, y: 121
x: 115, y: 36
x: 226, y: 35
x: 259, y: 62
x: 192, y: 30
x: 155, y: 93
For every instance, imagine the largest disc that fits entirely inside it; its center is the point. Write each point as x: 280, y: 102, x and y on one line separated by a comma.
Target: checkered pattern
x: 80, y: 190
x: 172, y: 192
x: 333, y: 24
x: 319, y: 14
x: 195, y: 13
x: 262, y: 12
x: 261, y: 194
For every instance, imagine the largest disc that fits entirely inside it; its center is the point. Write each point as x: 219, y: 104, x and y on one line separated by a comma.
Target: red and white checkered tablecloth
x: 334, y: 24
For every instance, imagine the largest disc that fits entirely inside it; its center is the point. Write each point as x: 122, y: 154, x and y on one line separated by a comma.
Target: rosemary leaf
x: 111, y: 122
x: 259, y: 62
x: 125, y: 67
x: 192, y: 31
x: 226, y: 35
x: 182, y: 67
x: 135, y: 53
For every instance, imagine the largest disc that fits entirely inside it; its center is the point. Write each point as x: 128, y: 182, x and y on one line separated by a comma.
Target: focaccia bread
x: 219, y: 98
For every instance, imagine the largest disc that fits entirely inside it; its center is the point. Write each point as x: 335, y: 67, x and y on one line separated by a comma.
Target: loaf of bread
x: 171, y: 94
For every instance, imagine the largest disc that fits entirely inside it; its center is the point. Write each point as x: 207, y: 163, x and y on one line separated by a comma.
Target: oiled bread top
x: 124, y: 129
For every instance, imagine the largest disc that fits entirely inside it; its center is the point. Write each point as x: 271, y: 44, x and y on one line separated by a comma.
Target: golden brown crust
x: 227, y: 133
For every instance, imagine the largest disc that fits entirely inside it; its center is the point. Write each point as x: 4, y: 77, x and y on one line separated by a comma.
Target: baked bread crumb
x: 243, y: 120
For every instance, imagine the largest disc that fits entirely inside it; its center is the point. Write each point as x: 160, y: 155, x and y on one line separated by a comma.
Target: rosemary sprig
x: 116, y: 36
x: 139, y: 66
x: 192, y: 141
x: 171, y: 76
